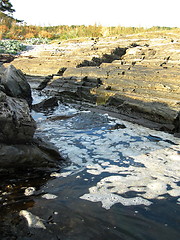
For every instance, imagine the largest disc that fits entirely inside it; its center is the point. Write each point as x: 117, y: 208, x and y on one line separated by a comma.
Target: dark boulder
x: 16, y: 123
x: 45, y: 104
x: 37, y: 154
x: 44, y: 83
x: 16, y: 85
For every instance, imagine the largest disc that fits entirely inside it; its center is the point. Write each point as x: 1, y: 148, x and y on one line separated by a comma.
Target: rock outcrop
x: 15, y: 84
x: 135, y: 78
x: 16, y: 123
x: 19, y: 149
x: 37, y: 154
x: 46, y: 104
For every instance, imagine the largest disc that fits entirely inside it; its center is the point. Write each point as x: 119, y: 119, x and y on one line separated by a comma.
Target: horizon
x: 125, y: 14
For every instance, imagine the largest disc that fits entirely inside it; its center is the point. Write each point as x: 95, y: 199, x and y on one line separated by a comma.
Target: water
x: 120, y: 184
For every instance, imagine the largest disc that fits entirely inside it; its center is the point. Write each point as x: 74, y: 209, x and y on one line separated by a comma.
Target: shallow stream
x: 119, y: 183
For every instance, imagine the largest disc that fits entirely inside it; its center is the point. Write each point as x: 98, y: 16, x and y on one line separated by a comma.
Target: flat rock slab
x: 145, y: 73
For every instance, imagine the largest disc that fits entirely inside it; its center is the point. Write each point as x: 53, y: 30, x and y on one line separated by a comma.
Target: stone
x: 177, y: 123
x: 45, y: 104
x: 37, y: 154
x: 16, y: 123
x: 117, y: 126
x: 44, y: 83
x: 15, y: 84
x: 6, y: 58
x: 2, y: 70
x: 61, y: 71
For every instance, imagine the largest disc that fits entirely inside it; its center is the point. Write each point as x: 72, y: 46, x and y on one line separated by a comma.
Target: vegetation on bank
x: 11, y: 46
x: 20, y: 31
x: 11, y: 28
x: 13, y: 32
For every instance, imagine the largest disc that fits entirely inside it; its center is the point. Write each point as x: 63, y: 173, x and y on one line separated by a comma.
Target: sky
x: 135, y: 13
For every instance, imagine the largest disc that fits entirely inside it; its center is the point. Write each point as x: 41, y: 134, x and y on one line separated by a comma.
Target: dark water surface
x: 120, y: 184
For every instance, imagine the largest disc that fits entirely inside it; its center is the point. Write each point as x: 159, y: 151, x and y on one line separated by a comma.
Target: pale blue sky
x: 137, y: 13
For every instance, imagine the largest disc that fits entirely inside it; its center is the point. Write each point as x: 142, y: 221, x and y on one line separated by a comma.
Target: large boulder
x: 16, y: 123
x: 37, y: 154
x: 15, y: 84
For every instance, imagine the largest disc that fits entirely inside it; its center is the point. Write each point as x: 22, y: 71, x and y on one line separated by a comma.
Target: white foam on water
x: 49, y: 196
x: 29, y: 191
x: 133, y: 162
x: 109, y: 199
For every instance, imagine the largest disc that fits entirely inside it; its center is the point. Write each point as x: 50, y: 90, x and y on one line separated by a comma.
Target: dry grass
x: 12, y: 30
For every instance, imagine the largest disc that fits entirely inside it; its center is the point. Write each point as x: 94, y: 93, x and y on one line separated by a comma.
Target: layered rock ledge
x: 136, y: 79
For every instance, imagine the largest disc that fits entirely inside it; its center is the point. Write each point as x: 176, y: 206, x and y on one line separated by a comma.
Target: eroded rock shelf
x: 139, y: 79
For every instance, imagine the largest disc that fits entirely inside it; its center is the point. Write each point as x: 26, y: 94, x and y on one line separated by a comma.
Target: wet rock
x: 45, y: 104
x: 16, y: 123
x: 60, y: 117
x: 16, y: 85
x: 117, y: 126
x: 44, y: 83
x: 37, y: 154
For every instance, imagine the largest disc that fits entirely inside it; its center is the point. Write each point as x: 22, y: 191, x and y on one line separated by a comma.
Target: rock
x: 6, y: 58
x: 16, y: 123
x: 177, y: 123
x: 117, y: 126
x: 37, y: 154
x: 2, y: 70
x: 16, y: 85
x: 115, y: 54
x: 44, y: 83
x: 61, y: 71
x: 60, y: 117
x: 138, y: 80
x: 45, y: 104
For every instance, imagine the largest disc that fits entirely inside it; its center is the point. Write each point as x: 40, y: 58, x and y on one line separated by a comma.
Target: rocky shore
x: 135, y: 78
x: 19, y: 147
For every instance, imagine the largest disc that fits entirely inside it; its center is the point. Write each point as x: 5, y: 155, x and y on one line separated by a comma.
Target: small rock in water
x: 117, y: 126
x: 32, y: 220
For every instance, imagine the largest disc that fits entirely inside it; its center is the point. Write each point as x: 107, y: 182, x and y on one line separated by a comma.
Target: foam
x: 133, y: 162
x: 49, y: 196
x: 109, y: 199
x: 29, y: 191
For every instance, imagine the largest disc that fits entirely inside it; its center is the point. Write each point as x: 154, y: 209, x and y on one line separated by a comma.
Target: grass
x: 14, y: 33
x: 10, y: 29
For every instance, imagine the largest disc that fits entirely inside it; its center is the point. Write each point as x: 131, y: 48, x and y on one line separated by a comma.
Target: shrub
x: 11, y: 46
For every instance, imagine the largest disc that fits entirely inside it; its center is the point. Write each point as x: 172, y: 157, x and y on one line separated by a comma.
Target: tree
x: 6, y: 6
